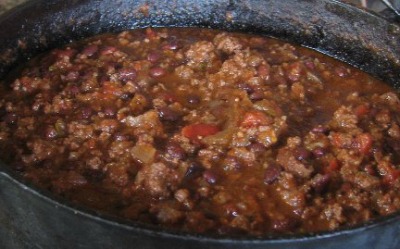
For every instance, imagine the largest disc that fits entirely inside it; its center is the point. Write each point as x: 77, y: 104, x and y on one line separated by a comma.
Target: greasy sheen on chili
x: 205, y: 131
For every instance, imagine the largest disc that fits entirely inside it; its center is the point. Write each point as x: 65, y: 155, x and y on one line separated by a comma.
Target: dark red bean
x: 168, y: 114
x: 320, y: 183
x: 257, y: 95
x: 126, y: 96
x: 194, y: 170
x: 10, y: 118
x: 153, y: 56
x: 310, y: 65
x: 169, y: 97
x: 319, y: 129
x: 341, y: 71
x: 156, y: 72
x: 86, y: 112
x: 272, y: 173
x: 71, y: 76
x: 245, y: 87
x: 175, y: 151
x: 210, y: 177
x: 90, y: 50
x: 301, y: 154
x: 193, y: 99
x: 121, y: 137
x: 126, y: 74
x: 109, y: 112
x: 108, y: 50
x: 50, y: 132
x: 171, y: 45
x: 318, y: 152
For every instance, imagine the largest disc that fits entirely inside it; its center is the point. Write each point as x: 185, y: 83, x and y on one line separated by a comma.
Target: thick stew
x: 205, y: 131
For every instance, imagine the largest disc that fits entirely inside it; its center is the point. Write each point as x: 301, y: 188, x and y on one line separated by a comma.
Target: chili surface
x: 205, y: 131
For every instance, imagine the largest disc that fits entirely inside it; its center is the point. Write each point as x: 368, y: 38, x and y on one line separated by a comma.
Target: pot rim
x: 9, y: 175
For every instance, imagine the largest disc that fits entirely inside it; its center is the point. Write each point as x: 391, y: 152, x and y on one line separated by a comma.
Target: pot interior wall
x: 342, y: 31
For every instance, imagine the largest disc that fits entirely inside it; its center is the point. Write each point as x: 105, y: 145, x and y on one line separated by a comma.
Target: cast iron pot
x: 33, y: 218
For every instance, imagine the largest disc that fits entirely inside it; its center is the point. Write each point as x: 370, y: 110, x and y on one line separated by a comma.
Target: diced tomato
x: 361, y: 110
x: 389, y: 172
x: 391, y: 177
x: 254, y: 118
x: 194, y: 131
x: 332, y: 166
x: 364, y: 143
x: 337, y: 140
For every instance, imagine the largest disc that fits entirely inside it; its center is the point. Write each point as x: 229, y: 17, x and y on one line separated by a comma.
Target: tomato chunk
x: 332, y: 166
x: 361, y: 110
x: 364, y: 143
x: 254, y: 118
x: 194, y: 131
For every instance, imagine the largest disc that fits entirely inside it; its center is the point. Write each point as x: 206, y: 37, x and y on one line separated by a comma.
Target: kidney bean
x: 171, y: 45
x: 246, y: 87
x: 341, y: 71
x: 318, y: 152
x: 157, y: 72
x: 167, y: 114
x: 272, y: 173
x: 109, y: 112
x: 71, y: 76
x: 126, y: 96
x: 193, y: 99
x: 90, y: 50
x: 194, y: 170
x: 108, y: 50
x: 121, y: 137
x: 10, y: 118
x: 310, y: 65
x: 86, y: 112
x: 153, y: 56
x: 301, y: 154
x: 175, y: 151
x: 257, y: 95
x: 210, y: 177
x: 319, y: 129
x: 50, y: 132
x: 126, y: 74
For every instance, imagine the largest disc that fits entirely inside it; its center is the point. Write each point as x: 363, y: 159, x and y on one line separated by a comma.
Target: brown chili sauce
x: 205, y: 131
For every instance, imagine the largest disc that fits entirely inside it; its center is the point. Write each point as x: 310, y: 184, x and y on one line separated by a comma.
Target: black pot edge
x: 46, y: 196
